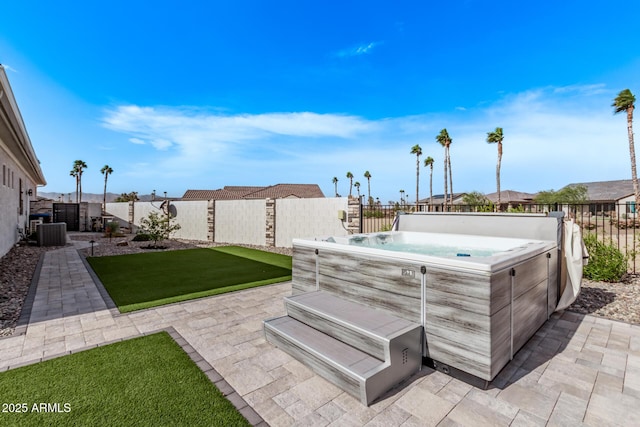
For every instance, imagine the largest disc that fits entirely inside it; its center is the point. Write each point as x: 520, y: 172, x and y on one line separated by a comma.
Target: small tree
x: 128, y: 197
x: 571, y: 194
x: 475, y: 198
x: 158, y: 227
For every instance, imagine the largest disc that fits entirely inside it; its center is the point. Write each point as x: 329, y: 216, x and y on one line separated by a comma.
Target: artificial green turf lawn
x: 147, y: 381
x: 147, y: 280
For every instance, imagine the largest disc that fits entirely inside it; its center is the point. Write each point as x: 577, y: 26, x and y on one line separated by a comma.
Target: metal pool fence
x: 610, y: 223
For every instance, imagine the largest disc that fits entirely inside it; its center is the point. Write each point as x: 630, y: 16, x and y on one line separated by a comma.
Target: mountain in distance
x: 90, y: 197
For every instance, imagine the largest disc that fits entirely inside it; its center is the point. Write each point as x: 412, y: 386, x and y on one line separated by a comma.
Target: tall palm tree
x: 74, y: 173
x: 444, y: 140
x: 625, y: 102
x: 335, y: 183
x: 450, y: 172
x: 78, y: 167
x: 357, y: 185
x: 106, y: 171
x: 497, y: 137
x: 368, y: 176
x: 418, y: 152
x: 402, y: 197
x: 350, y: 176
x: 429, y: 162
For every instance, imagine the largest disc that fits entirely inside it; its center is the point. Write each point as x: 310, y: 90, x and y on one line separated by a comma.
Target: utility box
x: 54, y: 234
x: 342, y: 215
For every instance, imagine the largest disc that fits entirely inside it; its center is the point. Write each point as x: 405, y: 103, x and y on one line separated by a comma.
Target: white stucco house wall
x: 21, y: 172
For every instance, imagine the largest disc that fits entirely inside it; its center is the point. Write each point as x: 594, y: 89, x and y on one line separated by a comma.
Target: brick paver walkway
x: 577, y: 370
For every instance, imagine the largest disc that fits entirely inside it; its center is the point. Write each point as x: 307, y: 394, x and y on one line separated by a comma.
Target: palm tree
x: 625, y: 102
x: 444, y: 140
x: 402, y: 197
x: 357, y: 185
x: 78, y: 167
x: 450, y: 172
x: 335, y: 183
x: 429, y: 162
x: 368, y: 176
x: 418, y: 152
x: 497, y: 137
x: 350, y: 176
x: 74, y: 173
x: 106, y: 171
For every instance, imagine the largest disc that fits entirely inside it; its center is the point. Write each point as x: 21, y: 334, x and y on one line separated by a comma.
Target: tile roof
x: 278, y: 191
x: 607, y: 190
x: 511, y: 196
x: 281, y: 191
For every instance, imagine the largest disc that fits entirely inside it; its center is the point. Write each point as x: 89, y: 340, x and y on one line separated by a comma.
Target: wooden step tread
x: 353, y: 360
x: 359, y: 316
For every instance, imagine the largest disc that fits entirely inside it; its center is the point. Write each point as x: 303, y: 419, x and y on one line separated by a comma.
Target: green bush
x: 606, y: 262
x: 142, y: 237
x: 112, y: 227
x: 373, y: 214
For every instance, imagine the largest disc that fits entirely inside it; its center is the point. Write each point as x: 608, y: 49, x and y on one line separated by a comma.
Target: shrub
x: 606, y: 262
x: 112, y: 227
x: 142, y: 237
x: 158, y: 227
x: 373, y: 213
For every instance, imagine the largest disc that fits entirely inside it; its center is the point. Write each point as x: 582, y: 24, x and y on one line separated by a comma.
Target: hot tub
x: 479, y: 298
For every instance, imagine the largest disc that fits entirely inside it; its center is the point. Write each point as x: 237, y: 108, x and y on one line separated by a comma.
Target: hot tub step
x: 354, y: 371
x: 372, y: 331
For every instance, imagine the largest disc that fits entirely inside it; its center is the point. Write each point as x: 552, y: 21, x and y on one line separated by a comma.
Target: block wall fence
x: 270, y: 222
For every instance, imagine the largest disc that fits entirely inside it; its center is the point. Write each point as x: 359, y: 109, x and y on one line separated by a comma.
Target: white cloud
x: 189, y: 131
x: 357, y: 50
x: 553, y: 136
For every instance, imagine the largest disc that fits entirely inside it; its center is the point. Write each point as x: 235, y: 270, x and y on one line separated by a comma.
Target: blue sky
x: 198, y: 95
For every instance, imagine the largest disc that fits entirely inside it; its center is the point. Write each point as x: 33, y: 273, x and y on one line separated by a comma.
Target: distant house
x: 425, y: 205
x: 511, y: 198
x: 21, y: 173
x: 609, y: 196
x: 278, y: 191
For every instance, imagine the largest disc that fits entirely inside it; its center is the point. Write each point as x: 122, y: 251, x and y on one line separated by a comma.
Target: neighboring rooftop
x: 607, y: 191
x: 511, y: 196
x: 278, y: 191
x: 438, y: 199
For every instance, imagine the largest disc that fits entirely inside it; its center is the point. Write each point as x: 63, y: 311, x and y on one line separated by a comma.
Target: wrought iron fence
x: 616, y: 224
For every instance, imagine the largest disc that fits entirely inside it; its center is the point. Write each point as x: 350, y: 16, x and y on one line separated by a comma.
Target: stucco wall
x: 308, y: 218
x: 240, y: 221
x: 10, y: 217
x: 192, y: 217
x: 120, y: 211
x: 245, y: 221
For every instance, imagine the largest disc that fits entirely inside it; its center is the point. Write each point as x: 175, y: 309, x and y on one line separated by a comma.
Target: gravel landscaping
x: 617, y: 301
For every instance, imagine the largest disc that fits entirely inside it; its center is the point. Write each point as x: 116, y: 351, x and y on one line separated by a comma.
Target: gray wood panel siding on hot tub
x: 469, y: 317
x: 474, y: 320
x: 370, y: 280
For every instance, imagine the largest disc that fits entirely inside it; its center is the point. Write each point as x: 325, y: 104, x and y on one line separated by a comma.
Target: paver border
x: 111, y: 306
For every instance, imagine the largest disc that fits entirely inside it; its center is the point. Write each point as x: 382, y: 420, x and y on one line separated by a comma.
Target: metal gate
x: 69, y: 213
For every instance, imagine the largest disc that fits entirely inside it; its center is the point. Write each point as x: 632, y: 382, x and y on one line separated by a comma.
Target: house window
x: 631, y: 207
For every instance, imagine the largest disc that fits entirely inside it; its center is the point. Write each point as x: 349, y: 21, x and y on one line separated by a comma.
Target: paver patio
x: 576, y: 370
